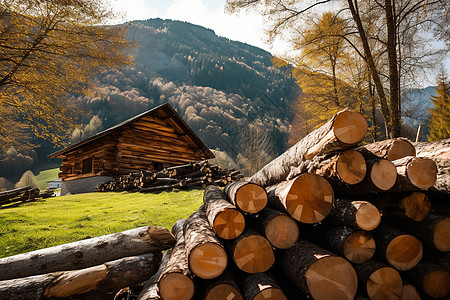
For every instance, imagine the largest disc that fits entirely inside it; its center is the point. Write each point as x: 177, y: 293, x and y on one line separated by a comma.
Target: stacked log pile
x: 325, y: 220
x: 22, y: 195
x: 194, y: 175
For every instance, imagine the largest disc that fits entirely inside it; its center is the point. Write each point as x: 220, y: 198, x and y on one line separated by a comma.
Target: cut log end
x: 422, y: 172
x: 229, y: 224
x: 384, y: 283
x: 176, y: 286
x: 400, y: 148
x: 417, y: 206
x: 251, y: 198
x: 224, y: 291
x: 404, y: 252
x: 253, y: 254
x: 351, y: 167
x: 282, y: 232
x: 270, y: 293
x: 367, y: 217
x: 359, y: 247
x: 441, y: 235
x: 350, y: 127
x: 383, y: 174
x: 310, y: 198
x: 331, y: 277
x: 409, y: 292
x: 207, y: 260
x: 437, y: 283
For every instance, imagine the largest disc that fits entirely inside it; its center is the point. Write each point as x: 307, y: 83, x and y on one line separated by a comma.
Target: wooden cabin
x: 153, y: 140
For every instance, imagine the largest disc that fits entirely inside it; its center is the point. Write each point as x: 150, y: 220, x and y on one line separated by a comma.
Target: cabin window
x: 87, y: 165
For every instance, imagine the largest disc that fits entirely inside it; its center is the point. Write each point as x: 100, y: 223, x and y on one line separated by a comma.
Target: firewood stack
x: 22, y: 195
x: 194, y: 175
x: 325, y: 220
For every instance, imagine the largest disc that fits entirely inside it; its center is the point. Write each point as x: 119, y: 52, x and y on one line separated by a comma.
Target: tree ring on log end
x: 399, y: 149
x: 176, y: 286
x: 270, y: 293
x: 437, y: 283
x: 207, y: 260
x: 282, y: 232
x: 359, y: 247
x: 331, y: 277
x: 384, y: 283
x: 422, y: 172
x: 409, y: 292
x: 224, y: 291
x: 351, y: 167
x: 367, y: 217
x: 251, y: 198
x: 404, y: 252
x: 310, y: 198
x: 253, y: 254
x: 229, y: 223
x: 350, y: 127
x: 417, y: 206
x: 383, y: 174
x: 441, y: 236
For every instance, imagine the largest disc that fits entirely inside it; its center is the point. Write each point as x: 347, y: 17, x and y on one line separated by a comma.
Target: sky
x: 243, y: 26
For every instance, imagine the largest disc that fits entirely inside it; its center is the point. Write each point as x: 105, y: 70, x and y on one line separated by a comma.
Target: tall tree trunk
x: 394, y: 78
x: 370, y: 62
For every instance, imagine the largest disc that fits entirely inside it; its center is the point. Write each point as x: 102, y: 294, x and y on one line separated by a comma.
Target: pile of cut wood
x: 325, y: 220
x: 26, y: 194
x: 194, y: 175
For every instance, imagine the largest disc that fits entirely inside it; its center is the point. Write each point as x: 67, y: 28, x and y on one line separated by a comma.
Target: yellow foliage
x: 49, y: 48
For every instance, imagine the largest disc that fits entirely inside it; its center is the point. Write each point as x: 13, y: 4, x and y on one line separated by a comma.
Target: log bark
x: 261, y: 286
x: 307, y: 198
x: 319, y: 273
x: 87, y: 253
x: 379, y: 281
x: 430, y: 278
x: 415, y: 174
x: 206, y: 255
x: 439, y: 152
x: 434, y: 230
x: 341, y: 132
x: 400, y: 250
x: 391, y: 149
x: 247, y: 196
x: 177, y: 281
x: 252, y: 253
x: 357, y: 246
x: 415, y: 206
x: 279, y: 228
x: 150, y: 289
x: 357, y: 214
x: 222, y: 287
x: 6, y: 195
x: 348, y: 167
x: 224, y: 218
x: 108, y: 277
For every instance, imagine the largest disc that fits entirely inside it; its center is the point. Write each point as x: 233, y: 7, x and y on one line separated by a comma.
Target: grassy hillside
x: 45, y: 176
x: 66, y: 219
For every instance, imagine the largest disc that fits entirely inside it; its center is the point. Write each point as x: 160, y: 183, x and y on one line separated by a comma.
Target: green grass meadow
x: 65, y: 219
x: 45, y: 176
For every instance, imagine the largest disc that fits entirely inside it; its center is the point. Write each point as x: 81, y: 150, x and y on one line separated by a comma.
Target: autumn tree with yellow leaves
x: 48, y: 49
